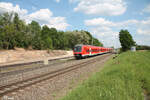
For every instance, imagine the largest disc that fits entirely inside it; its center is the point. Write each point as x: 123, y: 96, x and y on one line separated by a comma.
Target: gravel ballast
x: 59, y: 86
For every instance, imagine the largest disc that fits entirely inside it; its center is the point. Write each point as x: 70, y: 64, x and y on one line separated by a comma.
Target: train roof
x: 90, y: 45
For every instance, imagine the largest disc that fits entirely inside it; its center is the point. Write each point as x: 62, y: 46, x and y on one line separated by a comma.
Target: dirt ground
x: 20, y: 55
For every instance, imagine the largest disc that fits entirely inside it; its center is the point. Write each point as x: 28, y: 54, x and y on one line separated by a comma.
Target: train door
x: 90, y: 51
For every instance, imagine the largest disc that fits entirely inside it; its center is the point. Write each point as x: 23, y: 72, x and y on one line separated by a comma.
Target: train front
x: 77, y: 51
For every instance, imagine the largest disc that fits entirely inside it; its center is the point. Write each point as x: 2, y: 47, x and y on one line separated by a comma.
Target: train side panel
x: 85, y: 51
x: 82, y: 51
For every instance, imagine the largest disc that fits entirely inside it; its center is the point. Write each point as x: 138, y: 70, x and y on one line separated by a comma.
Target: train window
x: 87, y: 50
x: 77, y: 49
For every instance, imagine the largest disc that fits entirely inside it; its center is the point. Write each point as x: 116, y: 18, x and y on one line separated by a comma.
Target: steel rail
x: 29, y: 68
x: 20, y: 85
x: 33, y: 62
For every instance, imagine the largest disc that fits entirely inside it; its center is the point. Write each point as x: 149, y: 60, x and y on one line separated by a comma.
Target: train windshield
x: 77, y: 49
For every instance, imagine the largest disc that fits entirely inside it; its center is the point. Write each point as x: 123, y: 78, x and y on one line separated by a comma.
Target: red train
x: 82, y: 51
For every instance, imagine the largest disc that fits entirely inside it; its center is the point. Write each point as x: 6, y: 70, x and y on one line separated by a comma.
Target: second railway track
x: 5, y: 69
x: 39, y: 78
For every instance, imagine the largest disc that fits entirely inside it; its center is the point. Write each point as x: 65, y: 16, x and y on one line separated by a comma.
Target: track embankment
x: 48, y: 75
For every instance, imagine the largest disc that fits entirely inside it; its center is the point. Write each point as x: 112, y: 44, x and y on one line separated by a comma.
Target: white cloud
x: 57, y: 1
x: 8, y: 7
x: 98, y: 22
x: 58, y: 22
x: 101, y: 7
x: 34, y: 8
x: 143, y: 27
x: 104, y: 22
x: 143, y: 32
x: 43, y: 16
x: 73, y: 1
x: 108, y: 31
x: 147, y: 9
x: 107, y: 36
x: 46, y: 18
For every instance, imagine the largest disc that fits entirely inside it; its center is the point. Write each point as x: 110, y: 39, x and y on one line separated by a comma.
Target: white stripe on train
x: 93, y: 54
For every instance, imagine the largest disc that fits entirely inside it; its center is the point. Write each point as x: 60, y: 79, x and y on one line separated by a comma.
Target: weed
x: 122, y: 78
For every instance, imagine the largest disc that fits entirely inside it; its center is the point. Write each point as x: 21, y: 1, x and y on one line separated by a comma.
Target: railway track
x: 39, y: 78
x: 33, y: 62
x: 6, y: 69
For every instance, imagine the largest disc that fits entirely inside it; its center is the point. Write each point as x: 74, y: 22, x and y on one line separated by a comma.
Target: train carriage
x: 82, y: 51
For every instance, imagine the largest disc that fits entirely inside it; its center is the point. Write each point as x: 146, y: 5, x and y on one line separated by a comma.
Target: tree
x: 14, y: 32
x: 90, y: 36
x: 34, y: 35
x: 96, y: 42
x: 142, y: 47
x: 81, y: 37
x: 11, y: 31
x: 46, y: 38
x: 55, y: 37
x: 19, y: 32
x: 126, y: 40
x: 6, y: 30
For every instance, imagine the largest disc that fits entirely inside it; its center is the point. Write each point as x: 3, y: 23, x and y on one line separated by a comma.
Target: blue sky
x: 103, y: 18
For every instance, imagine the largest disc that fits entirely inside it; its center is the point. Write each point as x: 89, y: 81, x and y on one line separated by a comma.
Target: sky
x: 102, y: 18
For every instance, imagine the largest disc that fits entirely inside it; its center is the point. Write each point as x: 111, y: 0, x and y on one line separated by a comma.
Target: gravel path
x: 57, y: 87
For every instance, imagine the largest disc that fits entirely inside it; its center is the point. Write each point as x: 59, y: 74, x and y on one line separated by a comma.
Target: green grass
x: 123, y: 78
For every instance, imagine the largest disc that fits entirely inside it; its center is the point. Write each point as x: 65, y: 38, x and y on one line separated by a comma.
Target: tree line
x: 142, y: 47
x: 127, y: 41
x: 14, y: 32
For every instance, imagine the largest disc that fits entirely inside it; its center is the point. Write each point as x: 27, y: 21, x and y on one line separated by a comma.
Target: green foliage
x: 12, y: 31
x: 123, y: 78
x: 15, y: 33
x: 126, y: 40
x: 81, y: 37
x: 97, y: 43
x: 34, y: 35
x: 45, y: 35
x: 142, y: 47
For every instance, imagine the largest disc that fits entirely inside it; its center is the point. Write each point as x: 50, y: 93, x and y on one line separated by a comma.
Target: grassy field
x: 127, y: 77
